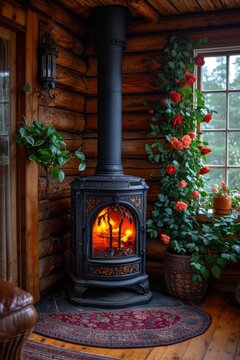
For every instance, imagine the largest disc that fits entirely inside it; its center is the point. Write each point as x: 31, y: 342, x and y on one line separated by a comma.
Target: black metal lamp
x: 47, y: 61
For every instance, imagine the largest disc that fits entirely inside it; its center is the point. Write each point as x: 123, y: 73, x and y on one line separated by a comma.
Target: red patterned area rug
x: 131, y: 328
x: 40, y: 351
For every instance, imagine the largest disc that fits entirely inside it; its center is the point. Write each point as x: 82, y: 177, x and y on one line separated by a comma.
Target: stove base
x: 109, y: 298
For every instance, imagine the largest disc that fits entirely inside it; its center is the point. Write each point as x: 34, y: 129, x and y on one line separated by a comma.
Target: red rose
x: 186, y: 141
x: 192, y: 135
x: 182, y: 184
x: 175, y: 96
x: 190, y: 78
x: 204, y: 170
x: 151, y: 111
x: 207, y: 118
x: 165, y: 238
x: 205, y: 150
x: 171, y: 170
x: 199, y: 60
x: 180, y: 206
x: 177, y: 120
x: 176, y: 144
x: 195, y: 194
x: 181, y: 84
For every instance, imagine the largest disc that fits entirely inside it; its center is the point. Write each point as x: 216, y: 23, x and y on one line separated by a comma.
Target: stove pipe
x: 109, y: 23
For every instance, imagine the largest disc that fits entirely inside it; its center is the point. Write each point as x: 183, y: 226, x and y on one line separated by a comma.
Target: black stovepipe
x: 109, y: 24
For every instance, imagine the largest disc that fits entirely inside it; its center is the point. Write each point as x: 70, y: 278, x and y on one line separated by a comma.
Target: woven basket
x: 178, y: 278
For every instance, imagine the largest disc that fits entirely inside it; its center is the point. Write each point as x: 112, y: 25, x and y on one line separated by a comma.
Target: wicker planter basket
x: 178, y: 278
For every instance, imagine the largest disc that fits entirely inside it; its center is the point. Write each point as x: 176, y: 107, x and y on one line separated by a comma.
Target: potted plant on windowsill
x: 46, y: 147
x: 221, y: 199
x: 179, y: 152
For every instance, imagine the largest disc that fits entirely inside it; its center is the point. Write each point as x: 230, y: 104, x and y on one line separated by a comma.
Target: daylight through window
x: 220, y: 84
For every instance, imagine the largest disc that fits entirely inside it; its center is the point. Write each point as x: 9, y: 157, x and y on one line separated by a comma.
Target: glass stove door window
x: 114, y: 233
x: 220, y: 84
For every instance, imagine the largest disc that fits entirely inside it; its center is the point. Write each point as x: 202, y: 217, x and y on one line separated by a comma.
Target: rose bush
x: 179, y: 151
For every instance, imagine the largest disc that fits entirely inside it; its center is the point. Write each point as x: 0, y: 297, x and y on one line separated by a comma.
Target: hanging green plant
x: 47, y: 148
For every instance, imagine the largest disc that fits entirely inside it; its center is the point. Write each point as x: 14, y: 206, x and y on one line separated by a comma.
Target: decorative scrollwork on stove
x: 114, y: 270
x: 114, y: 184
x: 93, y: 201
x: 136, y: 200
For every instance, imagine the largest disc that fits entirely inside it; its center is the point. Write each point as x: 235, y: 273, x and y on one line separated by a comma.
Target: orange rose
x: 176, y: 144
x: 180, y: 206
x: 165, y: 239
x: 186, y: 141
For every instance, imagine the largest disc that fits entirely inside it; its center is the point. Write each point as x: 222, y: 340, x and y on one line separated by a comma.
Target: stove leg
x: 140, y: 288
x: 79, y: 290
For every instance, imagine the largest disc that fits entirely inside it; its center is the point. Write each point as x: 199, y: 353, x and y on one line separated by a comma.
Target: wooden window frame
x: 27, y: 172
x: 220, y: 51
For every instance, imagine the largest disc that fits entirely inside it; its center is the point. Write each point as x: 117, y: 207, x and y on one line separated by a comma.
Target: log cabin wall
x: 66, y: 114
x: 49, y: 260
x: 74, y: 111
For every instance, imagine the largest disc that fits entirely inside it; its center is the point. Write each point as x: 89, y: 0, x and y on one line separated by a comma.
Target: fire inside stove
x: 114, y: 232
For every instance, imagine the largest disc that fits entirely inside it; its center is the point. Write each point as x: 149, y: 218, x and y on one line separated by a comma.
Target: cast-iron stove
x: 109, y: 208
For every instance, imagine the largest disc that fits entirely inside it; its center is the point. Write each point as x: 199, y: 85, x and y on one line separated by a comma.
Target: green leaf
x: 51, y: 130
x: 22, y: 131
x: 30, y: 140
x: 39, y: 143
x: 80, y: 155
x: 82, y: 166
x: 33, y: 157
x: 26, y: 87
x: 61, y: 175
x: 57, y: 174
x: 171, y: 64
x: 216, y: 271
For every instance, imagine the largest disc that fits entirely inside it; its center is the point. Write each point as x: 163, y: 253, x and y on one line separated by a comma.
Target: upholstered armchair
x: 17, y: 320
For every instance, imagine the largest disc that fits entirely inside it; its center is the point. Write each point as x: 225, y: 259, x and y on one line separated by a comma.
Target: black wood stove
x: 109, y: 208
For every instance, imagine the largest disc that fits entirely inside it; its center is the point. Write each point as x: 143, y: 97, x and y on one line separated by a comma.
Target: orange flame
x: 101, y: 230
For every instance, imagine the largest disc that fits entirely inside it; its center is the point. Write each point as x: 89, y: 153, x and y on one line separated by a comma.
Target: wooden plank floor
x: 221, y: 341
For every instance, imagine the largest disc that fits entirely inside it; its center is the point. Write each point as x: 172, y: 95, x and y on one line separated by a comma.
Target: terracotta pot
x: 178, y: 278
x: 222, y: 205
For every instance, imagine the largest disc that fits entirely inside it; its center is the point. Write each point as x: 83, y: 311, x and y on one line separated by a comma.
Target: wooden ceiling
x: 152, y: 10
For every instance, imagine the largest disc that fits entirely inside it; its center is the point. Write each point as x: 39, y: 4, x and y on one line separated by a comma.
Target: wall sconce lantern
x: 47, y: 62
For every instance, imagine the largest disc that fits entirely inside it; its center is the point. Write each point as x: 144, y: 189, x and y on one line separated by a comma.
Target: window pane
x: 214, y: 73
x: 214, y: 177
x: 233, y: 178
x: 217, y: 142
x: 234, y: 110
x: 216, y: 102
x: 234, y: 72
x: 4, y: 158
x: 234, y: 148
